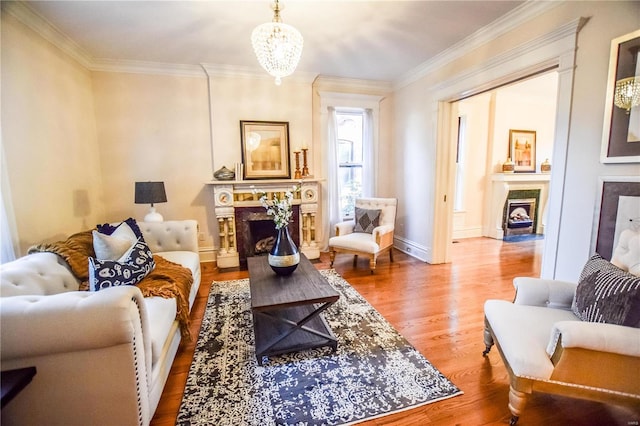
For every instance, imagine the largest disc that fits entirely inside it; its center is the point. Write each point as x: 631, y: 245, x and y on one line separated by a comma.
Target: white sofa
x: 102, y: 358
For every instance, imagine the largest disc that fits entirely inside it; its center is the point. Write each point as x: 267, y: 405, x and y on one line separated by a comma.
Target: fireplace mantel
x: 230, y: 195
x: 501, y: 184
x: 520, y: 177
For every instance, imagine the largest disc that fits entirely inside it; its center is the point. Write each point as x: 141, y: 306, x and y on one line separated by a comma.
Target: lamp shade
x: 150, y: 193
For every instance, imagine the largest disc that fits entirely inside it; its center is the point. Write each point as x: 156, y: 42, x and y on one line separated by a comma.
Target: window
x: 350, y: 159
x: 458, y: 204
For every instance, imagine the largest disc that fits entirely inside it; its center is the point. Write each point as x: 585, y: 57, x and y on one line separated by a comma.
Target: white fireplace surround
x: 232, y: 195
x: 501, y: 184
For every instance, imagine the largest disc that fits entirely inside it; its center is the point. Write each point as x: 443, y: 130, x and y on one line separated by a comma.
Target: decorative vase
x: 508, y: 166
x: 224, y: 174
x: 284, y: 256
x: 545, y: 167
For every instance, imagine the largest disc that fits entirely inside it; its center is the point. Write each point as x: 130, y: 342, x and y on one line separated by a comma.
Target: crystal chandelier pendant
x: 278, y: 46
x: 627, y: 93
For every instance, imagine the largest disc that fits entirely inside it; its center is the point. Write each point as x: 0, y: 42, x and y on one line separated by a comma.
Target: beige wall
x: 530, y: 105
x: 49, y: 138
x: 154, y: 128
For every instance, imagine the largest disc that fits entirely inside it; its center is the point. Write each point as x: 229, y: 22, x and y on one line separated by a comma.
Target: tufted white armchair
x: 547, y: 348
x: 380, y: 240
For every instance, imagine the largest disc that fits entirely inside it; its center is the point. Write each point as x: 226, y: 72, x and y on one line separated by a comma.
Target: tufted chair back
x: 387, y: 207
x: 626, y: 255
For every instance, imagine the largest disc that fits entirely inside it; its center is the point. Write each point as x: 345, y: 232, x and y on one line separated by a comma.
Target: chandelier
x: 278, y: 46
x: 627, y: 93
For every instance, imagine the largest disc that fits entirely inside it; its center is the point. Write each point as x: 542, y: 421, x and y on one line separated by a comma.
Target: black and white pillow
x: 606, y: 293
x: 111, y: 273
x: 366, y: 220
x: 110, y: 229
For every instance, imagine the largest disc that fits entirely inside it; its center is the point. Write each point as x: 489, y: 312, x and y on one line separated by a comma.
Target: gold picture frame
x: 621, y: 128
x: 265, y: 149
x: 522, y: 150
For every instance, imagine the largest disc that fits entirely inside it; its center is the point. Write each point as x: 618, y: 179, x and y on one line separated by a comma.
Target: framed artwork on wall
x: 265, y: 149
x: 621, y: 127
x: 522, y: 150
x: 619, y: 210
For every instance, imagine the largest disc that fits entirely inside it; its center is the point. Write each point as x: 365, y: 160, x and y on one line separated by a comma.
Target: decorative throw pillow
x: 606, y: 293
x: 366, y: 220
x: 131, y: 223
x: 108, y: 247
x: 110, y: 273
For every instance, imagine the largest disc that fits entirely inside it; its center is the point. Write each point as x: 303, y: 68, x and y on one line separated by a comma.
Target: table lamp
x: 150, y: 193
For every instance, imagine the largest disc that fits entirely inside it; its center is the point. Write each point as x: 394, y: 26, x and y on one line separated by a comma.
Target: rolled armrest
x: 73, y: 321
x: 344, y: 228
x: 381, y: 230
x: 595, y: 336
x: 546, y: 293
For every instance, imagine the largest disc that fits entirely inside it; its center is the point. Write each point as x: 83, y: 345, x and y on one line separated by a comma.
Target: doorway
x: 485, y: 122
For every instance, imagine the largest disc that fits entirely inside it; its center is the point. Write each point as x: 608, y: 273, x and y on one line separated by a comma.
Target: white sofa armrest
x: 92, y: 352
x: 344, y: 228
x: 33, y: 325
x: 594, y: 336
x: 172, y: 235
x: 545, y: 293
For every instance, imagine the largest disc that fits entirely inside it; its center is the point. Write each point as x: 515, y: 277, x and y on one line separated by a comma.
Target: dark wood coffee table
x: 287, y: 310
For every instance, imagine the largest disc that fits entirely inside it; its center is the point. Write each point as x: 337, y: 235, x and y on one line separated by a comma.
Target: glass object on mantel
x: 224, y: 174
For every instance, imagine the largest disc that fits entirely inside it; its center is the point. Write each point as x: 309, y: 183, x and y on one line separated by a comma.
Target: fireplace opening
x: 263, y: 236
x: 520, y: 217
x: 256, y: 233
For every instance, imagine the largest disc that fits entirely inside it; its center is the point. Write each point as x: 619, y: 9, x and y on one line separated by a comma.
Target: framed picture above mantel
x: 265, y: 149
x: 522, y: 150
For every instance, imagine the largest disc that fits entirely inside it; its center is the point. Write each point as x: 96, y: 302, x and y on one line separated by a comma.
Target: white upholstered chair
x: 378, y: 235
x: 548, y: 348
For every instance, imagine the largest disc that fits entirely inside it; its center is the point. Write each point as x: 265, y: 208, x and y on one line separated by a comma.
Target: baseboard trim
x: 413, y: 249
x: 467, y: 233
x: 207, y: 254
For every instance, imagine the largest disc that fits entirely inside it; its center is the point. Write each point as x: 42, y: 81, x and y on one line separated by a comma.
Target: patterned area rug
x: 374, y: 372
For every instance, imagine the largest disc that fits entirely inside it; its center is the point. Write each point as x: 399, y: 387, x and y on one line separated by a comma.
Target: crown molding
x: 25, y: 14
x: 506, y: 23
x: 143, y: 67
x: 524, y: 50
x: 350, y: 84
x: 217, y: 70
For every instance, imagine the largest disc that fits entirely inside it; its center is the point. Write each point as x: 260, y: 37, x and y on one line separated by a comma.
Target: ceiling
x: 372, y: 40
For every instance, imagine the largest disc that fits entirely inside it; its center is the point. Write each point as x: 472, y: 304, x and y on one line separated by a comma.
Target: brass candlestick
x: 297, y: 174
x: 305, y: 169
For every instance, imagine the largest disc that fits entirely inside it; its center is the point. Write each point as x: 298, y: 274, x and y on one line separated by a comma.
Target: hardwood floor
x: 439, y: 309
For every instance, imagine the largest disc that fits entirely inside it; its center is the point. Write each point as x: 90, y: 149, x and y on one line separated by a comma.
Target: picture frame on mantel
x: 265, y: 149
x: 617, y: 211
x: 522, y: 150
x: 621, y: 128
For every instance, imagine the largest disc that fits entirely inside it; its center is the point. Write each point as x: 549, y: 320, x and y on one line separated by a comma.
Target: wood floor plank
x: 439, y: 310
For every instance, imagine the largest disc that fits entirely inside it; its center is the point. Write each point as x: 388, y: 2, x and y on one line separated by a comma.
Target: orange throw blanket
x: 166, y: 280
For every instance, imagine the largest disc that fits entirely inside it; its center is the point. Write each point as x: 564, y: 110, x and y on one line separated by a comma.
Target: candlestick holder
x: 305, y: 169
x: 297, y: 174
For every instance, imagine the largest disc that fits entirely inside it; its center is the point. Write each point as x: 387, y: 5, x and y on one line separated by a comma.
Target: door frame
x: 552, y: 51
